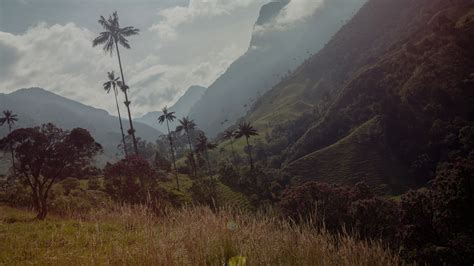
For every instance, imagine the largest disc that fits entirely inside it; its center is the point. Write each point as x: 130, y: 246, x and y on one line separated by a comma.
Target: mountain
x: 276, y: 48
x: 181, y: 109
x: 389, y: 97
x: 36, y: 106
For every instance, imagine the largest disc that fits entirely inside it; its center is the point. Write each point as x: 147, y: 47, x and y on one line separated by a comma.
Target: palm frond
x: 124, y: 42
x: 129, y: 31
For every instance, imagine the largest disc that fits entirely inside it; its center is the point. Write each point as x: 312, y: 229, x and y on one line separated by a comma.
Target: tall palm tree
x: 169, y: 117
x: 203, y: 146
x: 246, y: 130
x: 229, y: 135
x: 112, y: 84
x: 9, y: 118
x: 188, y: 125
x: 111, y: 38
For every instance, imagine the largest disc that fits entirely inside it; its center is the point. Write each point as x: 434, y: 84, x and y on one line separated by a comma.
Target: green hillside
x: 405, y: 64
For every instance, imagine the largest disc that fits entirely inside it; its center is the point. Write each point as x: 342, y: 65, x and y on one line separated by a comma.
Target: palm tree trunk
x: 127, y: 102
x: 172, y: 154
x: 12, y: 152
x: 250, y: 153
x: 121, y: 125
x: 193, y: 163
x: 208, y: 165
x: 233, y: 151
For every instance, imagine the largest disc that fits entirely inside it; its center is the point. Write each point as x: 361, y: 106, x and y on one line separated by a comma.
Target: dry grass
x: 191, y: 236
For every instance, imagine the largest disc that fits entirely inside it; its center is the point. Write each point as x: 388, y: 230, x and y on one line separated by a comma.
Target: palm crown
x: 203, y: 144
x: 186, y: 125
x: 166, y: 116
x: 245, y: 129
x: 8, y: 118
x: 112, y: 82
x: 113, y: 33
x: 228, y: 134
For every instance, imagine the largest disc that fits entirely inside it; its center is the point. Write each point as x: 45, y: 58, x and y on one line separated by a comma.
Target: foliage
x: 131, y: 180
x: 47, y: 154
x: 439, y: 221
x: 70, y: 184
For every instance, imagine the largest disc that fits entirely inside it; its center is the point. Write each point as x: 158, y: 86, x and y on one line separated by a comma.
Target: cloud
x: 295, y: 11
x: 201, y: 39
x: 61, y: 58
x: 173, y: 17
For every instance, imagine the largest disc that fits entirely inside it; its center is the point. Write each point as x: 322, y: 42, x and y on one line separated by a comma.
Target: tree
x: 169, y: 117
x: 112, y: 83
x: 229, y: 135
x: 187, y: 125
x: 246, y: 130
x: 113, y: 36
x: 47, y: 154
x: 9, y: 118
x: 131, y: 180
x: 203, y: 146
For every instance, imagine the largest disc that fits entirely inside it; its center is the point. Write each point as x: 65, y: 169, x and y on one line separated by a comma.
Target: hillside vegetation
x: 407, y: 64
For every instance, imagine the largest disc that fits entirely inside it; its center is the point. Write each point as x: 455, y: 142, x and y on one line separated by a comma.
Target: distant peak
x: 32, y: 90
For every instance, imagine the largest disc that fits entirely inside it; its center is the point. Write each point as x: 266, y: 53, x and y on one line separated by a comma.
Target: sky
x: 48, y: 44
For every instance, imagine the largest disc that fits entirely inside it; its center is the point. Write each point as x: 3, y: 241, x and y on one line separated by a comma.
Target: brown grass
x: 191, y: 236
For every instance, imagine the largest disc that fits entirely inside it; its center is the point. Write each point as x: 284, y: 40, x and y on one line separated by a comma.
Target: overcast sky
x: 48, y: 43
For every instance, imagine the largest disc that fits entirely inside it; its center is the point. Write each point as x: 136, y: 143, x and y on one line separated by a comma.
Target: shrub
x: 94, y: 183
x: 130, y: 180
x: 69, y: 184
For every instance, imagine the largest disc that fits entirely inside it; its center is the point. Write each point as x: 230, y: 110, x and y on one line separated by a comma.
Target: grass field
x: 190, y: 236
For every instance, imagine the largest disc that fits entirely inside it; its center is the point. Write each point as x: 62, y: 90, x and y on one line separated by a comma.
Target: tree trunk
x: 233, y: 151
x: 121, y: 125
x: 193, y: 163
x: 12, y: 151
x: 172, y: 154
x: 250, y: 153
x: 208, y: 165
x: 127, y: 102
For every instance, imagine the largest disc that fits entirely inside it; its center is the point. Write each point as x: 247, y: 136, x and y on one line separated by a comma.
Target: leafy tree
x: 246, y: 130
x: 229, y: 135
x: 113, y: 36
x: 169, y: 117
x: 187, y: 125
x: 9, y: 118
x: 130, y: 180
x: 46, y: 154
x: 203, y: 146
x: 112, y: 84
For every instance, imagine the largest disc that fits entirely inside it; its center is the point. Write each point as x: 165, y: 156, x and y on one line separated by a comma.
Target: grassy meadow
x: 188, y: 236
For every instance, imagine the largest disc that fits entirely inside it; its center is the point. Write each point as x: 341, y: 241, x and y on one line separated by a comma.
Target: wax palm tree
x: 229, y: 135
x: 9, y: 118
x: 203, y: 146
x: 187, y: 125
x: 246, y: 130
x: 109, y: 85
x: 111, y: 38
x: 169, y: 117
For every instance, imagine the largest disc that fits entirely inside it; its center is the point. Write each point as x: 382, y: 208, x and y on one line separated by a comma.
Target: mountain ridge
x: 35, y: 106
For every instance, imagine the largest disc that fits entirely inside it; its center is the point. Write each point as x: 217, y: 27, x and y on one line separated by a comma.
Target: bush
x: 94, y: 184
x: 131, y: 180
x: 69, y: 184
x: 79, y: 202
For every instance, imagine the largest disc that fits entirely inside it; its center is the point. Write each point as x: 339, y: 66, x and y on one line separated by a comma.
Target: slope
x: 181, y: 108
x: 405, y: 63
x: 273, y: 52
x: 36, y: 106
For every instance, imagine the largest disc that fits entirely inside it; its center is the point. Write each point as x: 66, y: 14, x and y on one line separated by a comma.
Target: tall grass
x: 189, y: 236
